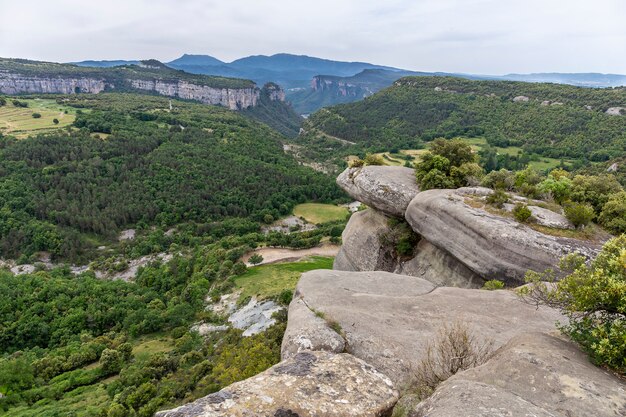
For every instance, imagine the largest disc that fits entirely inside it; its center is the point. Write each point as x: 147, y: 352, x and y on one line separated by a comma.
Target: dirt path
x: 273, y: 255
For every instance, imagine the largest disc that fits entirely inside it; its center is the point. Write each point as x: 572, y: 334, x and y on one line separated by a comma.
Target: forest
x: 129, y: 160
x: 556, y: 121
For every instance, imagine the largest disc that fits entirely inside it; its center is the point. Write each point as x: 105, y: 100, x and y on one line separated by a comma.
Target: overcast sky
x: 473, y: 36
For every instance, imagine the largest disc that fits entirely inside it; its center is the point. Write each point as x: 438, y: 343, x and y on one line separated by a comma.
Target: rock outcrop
x: 20, y: 84
x: 492, y: 246
x: 233, y: 98
x: 364, y: 248
x: 388, y: 189
x: 389, y: 319
x: 532, y: 375
x: 309, y: 384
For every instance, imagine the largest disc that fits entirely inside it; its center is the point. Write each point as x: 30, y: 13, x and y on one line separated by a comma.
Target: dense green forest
x: 557, y: 121
x: 129, y: 160
x: 277, y: 114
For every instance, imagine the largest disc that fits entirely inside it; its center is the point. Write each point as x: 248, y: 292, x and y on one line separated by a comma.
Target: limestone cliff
x: 12, y: 83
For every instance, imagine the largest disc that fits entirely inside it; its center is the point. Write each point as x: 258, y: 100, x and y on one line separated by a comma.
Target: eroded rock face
x: 532, y: 375
x: 385, y: 188
x: 19, y: 84
x: 388, y: 319
x: 307, y: 385
x: 363, y: 250
x: 492, y: 246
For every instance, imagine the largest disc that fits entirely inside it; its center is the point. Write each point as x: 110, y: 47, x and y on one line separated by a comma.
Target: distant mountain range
x: 312, y: 83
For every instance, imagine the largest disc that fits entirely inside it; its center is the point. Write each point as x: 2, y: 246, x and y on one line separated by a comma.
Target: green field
x: 19, y: 121
x: 267, y: 281
x: 320, y: 213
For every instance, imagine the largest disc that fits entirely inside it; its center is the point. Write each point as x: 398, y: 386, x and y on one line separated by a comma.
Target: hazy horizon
x: 472, y: 36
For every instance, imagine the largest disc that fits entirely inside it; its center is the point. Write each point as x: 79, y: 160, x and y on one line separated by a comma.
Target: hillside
x: 550, y: 120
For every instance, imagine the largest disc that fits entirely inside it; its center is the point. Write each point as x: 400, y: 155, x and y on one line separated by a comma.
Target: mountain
x: 578, y: 79
x: 104, y: 64
x: 554, y: 121
x: 328, y: 90
x: 18, y: 76
x: 189, y: 59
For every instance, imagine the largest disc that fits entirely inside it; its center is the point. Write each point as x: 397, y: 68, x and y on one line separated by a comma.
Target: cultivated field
x: 19, y: 121
x: 320, y: 213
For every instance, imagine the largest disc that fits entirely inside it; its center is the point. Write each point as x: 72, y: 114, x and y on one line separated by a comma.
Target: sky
x: 470, y: 36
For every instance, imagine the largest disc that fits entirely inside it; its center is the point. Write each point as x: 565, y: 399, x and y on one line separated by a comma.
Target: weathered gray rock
x: 545, y: 217
x: 439, y: 267
x: 492, y: 246
x: 389, y: 319
x: 363, y: 250
x: 254, y: 317
x: 533, y: 375
x: 311, y: 384
x: 388, y: 189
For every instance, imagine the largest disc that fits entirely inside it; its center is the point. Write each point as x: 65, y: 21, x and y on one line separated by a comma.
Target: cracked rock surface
x: 388, y: 319
x: 308, y: 384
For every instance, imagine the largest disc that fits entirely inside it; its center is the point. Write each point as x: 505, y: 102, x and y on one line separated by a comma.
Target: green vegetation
x: 493, y: 284
x: 448, y: 164
x: 20, y: 121
x: 318, y: 213
x: 275, y: 113
x: 522, y: 213
x: 580, y: 214
x: 269, y: 281
x: 194, y: 163
x: 513, y: 135
x: 593, y: 297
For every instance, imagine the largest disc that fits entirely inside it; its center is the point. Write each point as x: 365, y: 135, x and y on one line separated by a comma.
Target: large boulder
x: 493, y: 246
x: 386, y: 188
x: 309, y: 384
x: 363, y: 249
x: 388, y: 319
x: 533, y: 375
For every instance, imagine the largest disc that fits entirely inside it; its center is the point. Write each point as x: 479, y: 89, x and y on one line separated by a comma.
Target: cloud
x: 479, y: 36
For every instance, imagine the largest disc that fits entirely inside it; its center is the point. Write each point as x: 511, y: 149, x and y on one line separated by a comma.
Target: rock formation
x: 460, y: 244
x: 309, y: 384
x: 532, y: 375
x: 389, y: 319
x: 20, y: 84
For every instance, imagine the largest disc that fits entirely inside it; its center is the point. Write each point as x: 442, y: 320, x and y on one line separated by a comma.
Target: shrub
x: 18, y: 103
x: 497, y: 198
x: 502, y: 180
x: 256, y: 259
x: 469, y: 173
x: 560, y: 189
x: 493, y: 284
x: 613, y: 215
x: 356, y: 163
x: 285, y: 297
x: 593, y: 297
x: 579, y: 214
x: 457, y: 151
x: 3, y: 101
x: 36, y: 116
x: 455, y: 349
x: 373, y: 159
x: 594, y: 189
x: 522, y: 213
x: 55, y: 121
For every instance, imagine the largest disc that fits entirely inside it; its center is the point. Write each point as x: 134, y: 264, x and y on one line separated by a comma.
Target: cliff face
x: 338, y: 86
x: 11, y: 83
x: 234, y: 99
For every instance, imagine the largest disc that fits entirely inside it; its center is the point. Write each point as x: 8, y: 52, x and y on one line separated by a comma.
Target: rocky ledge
x: 309, y: 384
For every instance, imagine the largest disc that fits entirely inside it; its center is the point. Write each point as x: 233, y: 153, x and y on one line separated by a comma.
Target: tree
x: 457, y: 151
x: 110, y: 361
x: 593, y: 297
x: 560, y: 189
x: 579, y: 214
x: 613, y: 215
x: 36, y: 116
x: 255, y: 259
x: 55, y: 121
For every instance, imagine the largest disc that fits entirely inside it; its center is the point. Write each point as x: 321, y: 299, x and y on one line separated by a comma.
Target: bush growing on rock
x: 499, y: 180
x: 579, y: 214
x: 559, y: 189
x: 498, y: 198
x: 594, y: 189
x: 455, y: 349
x: 493, y: 284
x: 593, y: 297
x: 373, y: 159
x: 522, y: 213
x: 448, y: 164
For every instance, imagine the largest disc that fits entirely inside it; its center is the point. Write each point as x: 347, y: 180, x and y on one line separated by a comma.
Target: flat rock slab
x: 492, y: 246
x: 532, y: 375
x: 388, y: 189
x: 311, y: 384
x: 388, y: 319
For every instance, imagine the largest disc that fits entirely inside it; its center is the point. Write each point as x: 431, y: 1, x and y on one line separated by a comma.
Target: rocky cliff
x: 30, y: 77
x: 356, y: 335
